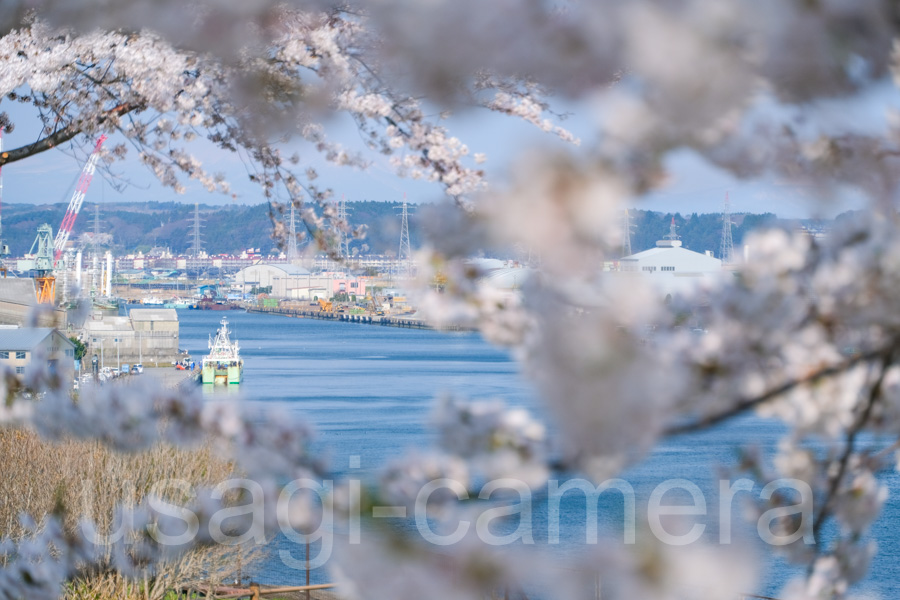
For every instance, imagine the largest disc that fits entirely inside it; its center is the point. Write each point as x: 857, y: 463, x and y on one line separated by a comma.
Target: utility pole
x: 727, y: 249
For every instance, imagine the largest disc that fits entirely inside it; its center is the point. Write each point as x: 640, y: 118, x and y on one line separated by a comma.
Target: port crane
x: 42, y: 250
x: 47, y: 256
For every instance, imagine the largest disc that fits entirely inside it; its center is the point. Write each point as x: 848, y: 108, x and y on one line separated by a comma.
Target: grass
x: 83, y: 478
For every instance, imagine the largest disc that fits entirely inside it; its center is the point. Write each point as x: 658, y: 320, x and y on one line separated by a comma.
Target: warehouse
x: 147, y: 335
x: 296, y: 283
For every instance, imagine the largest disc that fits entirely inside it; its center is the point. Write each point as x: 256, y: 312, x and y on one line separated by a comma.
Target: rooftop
x: 19, y: 290
x: 24, y: 338
x: 153, y: 314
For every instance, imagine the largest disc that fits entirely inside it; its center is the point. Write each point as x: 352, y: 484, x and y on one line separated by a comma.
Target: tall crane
x: 62, y: 236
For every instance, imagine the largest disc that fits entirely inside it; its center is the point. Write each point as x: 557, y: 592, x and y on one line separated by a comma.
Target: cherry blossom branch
x: 852, y: 433
x: 747, y: 404
x: 60, y: 137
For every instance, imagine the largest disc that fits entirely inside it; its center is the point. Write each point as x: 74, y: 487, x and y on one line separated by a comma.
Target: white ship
x: 223, y: 364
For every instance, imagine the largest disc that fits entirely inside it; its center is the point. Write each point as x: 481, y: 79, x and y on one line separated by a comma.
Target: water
x: 369, y: 390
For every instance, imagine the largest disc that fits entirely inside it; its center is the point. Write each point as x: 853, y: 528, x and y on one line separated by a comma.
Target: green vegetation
x: 235, y: 228
x: 80, y: 348
x: 697, y: 232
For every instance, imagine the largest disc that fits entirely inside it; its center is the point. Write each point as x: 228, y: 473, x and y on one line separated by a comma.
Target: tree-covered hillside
x: 225, y: 229
x: 697, y: 232
x: 231, y: 229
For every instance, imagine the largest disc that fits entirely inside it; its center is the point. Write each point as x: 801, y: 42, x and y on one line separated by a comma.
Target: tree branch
x: 746, y: 404
x: 861, y: 420
x: 59, y: 137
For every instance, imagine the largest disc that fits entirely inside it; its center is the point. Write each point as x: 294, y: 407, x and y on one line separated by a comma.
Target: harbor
x: 368, y: 391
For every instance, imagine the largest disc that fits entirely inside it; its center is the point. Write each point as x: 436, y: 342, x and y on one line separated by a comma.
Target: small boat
x: 223, y: 364
x: 176, y: 303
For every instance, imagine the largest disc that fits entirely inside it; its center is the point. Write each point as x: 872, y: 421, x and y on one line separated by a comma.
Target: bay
x: 369, y: 391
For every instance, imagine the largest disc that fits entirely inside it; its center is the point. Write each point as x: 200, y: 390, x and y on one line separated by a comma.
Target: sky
x: 692, y: 186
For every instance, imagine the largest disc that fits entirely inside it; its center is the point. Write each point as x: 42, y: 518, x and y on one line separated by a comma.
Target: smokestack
x: 108, y: 273
x: 78, y: 269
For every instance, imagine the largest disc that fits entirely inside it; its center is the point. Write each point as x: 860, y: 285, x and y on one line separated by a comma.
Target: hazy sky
x: 693, y: 185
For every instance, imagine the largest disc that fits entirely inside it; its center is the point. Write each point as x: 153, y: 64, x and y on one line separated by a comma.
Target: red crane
x: 62, y: 236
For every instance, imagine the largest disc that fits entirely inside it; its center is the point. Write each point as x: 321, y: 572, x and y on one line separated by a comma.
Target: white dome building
x: 670, y: 266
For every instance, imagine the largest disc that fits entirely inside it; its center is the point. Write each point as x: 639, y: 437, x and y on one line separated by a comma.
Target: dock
x: 362, y: 319
x: 171, y: 377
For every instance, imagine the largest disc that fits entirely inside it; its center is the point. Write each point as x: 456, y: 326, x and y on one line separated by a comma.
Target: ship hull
x: 216, y: 306
x: 222, y: 373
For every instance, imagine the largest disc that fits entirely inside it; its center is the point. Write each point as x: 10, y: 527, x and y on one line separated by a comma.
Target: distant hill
x: 226, y: 229
x: 697, y: 232
x: 231, y: 229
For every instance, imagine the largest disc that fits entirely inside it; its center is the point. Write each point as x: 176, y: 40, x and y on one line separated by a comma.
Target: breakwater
x: 363, y: 318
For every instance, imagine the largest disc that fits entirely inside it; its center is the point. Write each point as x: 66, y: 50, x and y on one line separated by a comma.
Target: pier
x: 364, y: 319
x: 171, y: 377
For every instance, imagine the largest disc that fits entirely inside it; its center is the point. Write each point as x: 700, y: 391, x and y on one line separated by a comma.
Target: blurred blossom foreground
x: 806, y: 331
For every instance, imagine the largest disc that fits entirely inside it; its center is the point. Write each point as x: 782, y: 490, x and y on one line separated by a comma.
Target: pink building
x: 345, y: 284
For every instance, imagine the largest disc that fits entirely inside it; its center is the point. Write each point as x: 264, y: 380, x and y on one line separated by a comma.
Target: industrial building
x: 297, y: 283
x: 19, y: 305
x: 146, y: 335
x: 20, y: 347
x: 671, y: 267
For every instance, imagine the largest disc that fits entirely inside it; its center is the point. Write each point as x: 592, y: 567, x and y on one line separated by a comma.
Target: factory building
x: 146, y: 335
x: 296, y: 283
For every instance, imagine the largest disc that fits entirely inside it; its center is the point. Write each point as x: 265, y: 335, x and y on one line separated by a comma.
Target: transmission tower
x: 404, y: 255
x: 96, y: 240
x: 292, y: 252
x: 727, y: 250
x: 343, y: 238
x: 196, y: 239
x: 626, y: 234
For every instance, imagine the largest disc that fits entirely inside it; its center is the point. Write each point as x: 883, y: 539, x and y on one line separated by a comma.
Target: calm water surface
x: 369, y: 391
